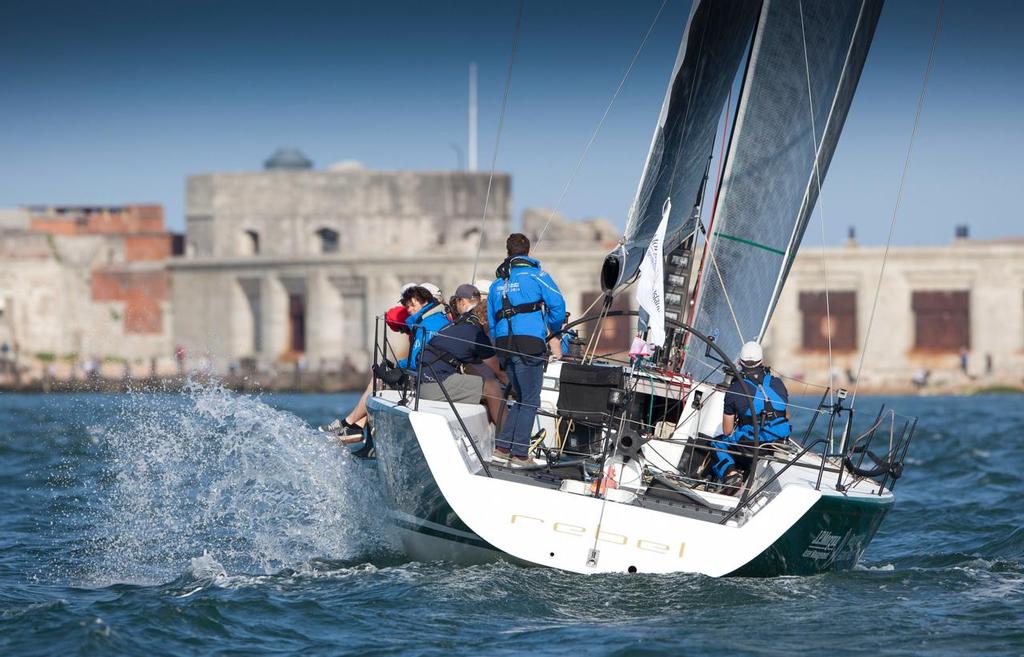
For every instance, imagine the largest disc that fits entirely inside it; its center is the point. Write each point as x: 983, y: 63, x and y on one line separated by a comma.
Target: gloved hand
x: 389, y: 374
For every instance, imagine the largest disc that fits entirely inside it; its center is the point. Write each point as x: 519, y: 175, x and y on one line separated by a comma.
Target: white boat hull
x: 449, y: 509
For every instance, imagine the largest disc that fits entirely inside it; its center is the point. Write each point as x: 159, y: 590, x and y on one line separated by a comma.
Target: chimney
x: 851, y: 236
x: 961, y: 232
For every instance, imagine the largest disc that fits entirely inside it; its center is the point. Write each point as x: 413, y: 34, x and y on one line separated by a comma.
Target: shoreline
x: 314, y: 383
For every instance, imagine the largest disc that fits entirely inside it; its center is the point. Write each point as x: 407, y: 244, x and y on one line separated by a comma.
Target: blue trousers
x: 526, y: 375
x: 777, y: 430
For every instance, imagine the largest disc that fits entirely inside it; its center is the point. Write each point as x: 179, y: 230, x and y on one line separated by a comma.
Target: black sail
x: 770, y: 186
x: 717, y: 36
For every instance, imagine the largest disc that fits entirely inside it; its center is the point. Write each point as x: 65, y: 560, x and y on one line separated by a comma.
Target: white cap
x: 751, y: 354
x: 483, y: 285
x: 433, y: 289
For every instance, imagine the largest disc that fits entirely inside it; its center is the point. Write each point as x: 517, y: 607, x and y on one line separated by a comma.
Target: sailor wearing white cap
x: 434, y: 290
x: 756, y: 394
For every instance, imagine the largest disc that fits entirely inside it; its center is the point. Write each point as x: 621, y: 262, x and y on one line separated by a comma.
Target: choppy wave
x: 223, y: 475
x: 213, y: 522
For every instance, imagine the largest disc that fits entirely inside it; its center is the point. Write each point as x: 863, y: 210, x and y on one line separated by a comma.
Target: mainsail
x: 716, y: 38
x: 770, y: 185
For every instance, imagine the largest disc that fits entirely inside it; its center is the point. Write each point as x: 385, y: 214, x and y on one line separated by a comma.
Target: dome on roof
x: 288, y: 158
x: 347, y: 165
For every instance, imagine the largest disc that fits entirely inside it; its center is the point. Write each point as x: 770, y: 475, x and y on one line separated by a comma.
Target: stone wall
x: 283, y: 213
x: 232, y: 311
x: 80, y: 283
x: 991, y: 273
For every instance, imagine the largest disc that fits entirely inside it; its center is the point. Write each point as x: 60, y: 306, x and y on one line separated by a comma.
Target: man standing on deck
x: 756, y: 393
x: 524, y: 305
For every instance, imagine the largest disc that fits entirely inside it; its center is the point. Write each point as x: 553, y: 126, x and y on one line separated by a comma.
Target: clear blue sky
x: 113, y: 102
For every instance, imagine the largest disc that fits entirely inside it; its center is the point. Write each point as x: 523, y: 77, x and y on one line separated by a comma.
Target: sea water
x: 216, y: 523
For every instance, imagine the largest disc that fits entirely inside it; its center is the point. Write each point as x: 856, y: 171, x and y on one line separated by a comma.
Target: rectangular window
x: 942, y: 320
x: 837, y: 319
x: 297, y: 323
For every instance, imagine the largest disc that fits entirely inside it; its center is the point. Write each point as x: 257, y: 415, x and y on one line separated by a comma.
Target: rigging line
x: 721, y: 281
x: 600, y: 124
x: 497, y: 137
x: 899, y: 195
x: 800, y: 226
x: 595, y: 339
x: 601, y: 481
x: 817, y: 177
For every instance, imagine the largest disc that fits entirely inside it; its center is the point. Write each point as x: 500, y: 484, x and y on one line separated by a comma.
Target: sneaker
x: 341, y: 428
x: 522, y: 461
x: 500, y: 454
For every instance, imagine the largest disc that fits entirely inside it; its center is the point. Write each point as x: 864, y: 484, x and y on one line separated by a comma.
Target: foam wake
x: 215, y: 473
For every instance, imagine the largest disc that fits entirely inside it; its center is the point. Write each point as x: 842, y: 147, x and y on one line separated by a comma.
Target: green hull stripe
x: 831, y: 536
x: 749, y: 243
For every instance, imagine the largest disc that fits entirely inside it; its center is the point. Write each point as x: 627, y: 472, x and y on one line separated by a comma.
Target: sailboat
x: 621, y: 482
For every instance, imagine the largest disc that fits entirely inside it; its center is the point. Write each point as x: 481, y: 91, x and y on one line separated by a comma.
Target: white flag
x: 650, y: 290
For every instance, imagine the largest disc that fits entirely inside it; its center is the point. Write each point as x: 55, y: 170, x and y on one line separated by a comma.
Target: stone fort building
x: 292, y: 264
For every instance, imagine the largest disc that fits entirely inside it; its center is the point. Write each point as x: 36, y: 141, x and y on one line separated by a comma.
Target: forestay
x: 716, y: 37
x: 769, y: 187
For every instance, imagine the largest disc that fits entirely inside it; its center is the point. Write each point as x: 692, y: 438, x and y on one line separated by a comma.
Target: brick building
x: 85, y: 283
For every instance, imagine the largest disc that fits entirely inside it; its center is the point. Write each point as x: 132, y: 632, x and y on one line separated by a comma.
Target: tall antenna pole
x: 472, y: 116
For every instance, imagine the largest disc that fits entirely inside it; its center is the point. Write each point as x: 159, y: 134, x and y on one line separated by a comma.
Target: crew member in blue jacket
x: 440, y: 348
x: 524, y: 305
x: 426, y: 317
x: 759, y: 394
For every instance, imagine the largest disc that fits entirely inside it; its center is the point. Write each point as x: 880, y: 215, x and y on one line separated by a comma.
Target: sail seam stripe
x: 751, y: 243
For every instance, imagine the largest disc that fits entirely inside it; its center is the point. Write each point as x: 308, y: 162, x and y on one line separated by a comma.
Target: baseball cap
x: 466, y: 291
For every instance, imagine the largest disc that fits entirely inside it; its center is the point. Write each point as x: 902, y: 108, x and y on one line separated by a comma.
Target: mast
x: 678, y: 272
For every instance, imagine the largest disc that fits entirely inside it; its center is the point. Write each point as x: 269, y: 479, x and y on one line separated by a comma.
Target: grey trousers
x: 462, y: 388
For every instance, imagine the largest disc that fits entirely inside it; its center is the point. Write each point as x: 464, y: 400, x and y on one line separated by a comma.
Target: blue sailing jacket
x: 515, y: 327
x: 424, y: 324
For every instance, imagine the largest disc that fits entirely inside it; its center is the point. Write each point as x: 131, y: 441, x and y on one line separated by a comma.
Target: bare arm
x: 492, y: 363
x: 728, y: 424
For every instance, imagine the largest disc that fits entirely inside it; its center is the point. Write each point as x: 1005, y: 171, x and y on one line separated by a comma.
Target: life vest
x: 446, y: 356
x: 769, y: 408
x: 508, y: 311
x: 424, y: 325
